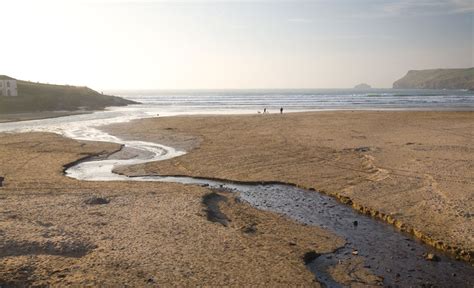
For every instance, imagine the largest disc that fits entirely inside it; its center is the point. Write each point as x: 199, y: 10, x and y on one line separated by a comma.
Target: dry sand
x: 156, y: 234
x: 412, y: 169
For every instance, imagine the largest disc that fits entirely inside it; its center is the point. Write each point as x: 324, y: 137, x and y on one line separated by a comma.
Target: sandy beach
x: 414, y: 169
x: 60, y: 231
x: 237, y: 144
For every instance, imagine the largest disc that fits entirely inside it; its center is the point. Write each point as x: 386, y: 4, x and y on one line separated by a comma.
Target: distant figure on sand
x: 264, y: 110
x: 281, y: 110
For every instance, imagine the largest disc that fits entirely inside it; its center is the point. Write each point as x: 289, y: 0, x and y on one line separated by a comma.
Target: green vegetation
x: 437, y: 79
x: 36, y: 97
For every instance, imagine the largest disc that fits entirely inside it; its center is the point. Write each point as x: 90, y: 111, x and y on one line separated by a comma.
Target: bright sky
x: 239, y: 44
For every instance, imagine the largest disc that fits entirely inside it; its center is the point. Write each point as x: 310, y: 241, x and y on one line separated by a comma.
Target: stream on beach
x: 396, y: 256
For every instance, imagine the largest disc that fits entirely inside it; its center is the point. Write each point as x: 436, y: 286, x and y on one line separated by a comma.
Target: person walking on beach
x: 281, y: 110
x: 264, y: 110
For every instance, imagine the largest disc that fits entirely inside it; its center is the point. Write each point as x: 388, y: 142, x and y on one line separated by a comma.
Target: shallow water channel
x: 395, y: 256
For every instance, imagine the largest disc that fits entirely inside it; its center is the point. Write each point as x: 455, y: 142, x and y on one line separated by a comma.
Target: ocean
x: 252, y: 101
x: 170, y: 103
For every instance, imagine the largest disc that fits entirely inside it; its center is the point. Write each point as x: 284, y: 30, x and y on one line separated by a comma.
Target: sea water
x: 252, y: 101
x: 191, y: 102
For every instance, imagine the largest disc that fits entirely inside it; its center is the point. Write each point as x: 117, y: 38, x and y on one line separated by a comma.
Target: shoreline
x: 20, y: 117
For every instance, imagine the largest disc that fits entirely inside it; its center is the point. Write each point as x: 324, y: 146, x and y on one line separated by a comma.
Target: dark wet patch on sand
x: 214, y: 214
x: 68, y: 248
x: 95, y: 200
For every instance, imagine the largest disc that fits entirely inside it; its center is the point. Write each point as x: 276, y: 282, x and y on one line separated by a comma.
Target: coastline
x: 17, y: 117
x: 27, y: 116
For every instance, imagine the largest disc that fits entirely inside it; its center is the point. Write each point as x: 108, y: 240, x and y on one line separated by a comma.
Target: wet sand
x: 60, y: 231
x: 411, y: 169
x: 38, y: 115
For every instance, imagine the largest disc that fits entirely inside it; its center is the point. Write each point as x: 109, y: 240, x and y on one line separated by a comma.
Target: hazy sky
x: 238, y: 44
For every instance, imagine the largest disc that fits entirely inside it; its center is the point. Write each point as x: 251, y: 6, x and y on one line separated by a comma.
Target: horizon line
x: 227, y: 89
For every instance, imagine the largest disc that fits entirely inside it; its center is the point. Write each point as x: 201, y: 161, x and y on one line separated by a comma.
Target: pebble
x: 431, y: 257
x: 150, y: 280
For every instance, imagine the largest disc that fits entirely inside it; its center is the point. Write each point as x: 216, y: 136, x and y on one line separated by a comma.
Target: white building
x: 8, y: 87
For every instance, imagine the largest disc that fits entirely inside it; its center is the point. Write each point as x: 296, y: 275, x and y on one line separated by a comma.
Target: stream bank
x: 396, y: 256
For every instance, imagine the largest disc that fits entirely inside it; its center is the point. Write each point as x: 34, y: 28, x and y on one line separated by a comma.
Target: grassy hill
x: 38, y: 97
x: 437, y: 79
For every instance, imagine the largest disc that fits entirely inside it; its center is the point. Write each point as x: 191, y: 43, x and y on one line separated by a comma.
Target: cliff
x: 437, y: 79
x: 36, y: 97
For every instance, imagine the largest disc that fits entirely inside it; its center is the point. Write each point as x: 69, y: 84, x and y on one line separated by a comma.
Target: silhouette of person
x: 264, y: 110
x: 281, y: 110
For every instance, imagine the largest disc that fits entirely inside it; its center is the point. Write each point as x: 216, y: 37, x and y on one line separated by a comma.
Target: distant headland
x: 27, y: 97
x: 437, y: 79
